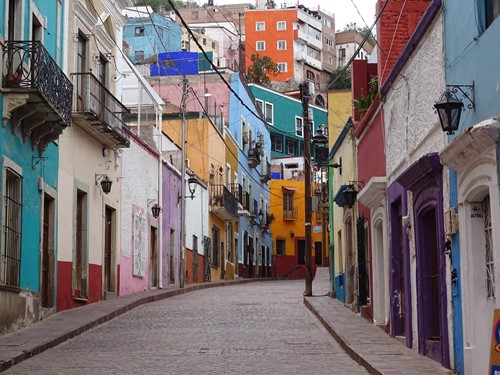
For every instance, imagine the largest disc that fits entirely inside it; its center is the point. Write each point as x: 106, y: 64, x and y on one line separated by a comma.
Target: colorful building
x: 88, y: 257
x: 35, y: 112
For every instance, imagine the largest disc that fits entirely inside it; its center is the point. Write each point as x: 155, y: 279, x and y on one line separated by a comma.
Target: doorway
x: 108, y: 251
x: 153, y: 258
x: 48, y: 253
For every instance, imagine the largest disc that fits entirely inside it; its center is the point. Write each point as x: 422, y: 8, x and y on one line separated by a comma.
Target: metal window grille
x: 11, y: 252
x: 490, y: 268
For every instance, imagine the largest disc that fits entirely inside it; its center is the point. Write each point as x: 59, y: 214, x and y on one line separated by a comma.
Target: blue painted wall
x: 285, y: 110
x: 166, y: 37
x: 175, y: 64
x: 470, y: 57
x: 22, y: 154
x: 236, y: 111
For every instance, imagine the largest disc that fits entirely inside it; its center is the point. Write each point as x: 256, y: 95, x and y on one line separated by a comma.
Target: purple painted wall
x: 171, y: 215
x: 424, y: 179
x: 400, y: 264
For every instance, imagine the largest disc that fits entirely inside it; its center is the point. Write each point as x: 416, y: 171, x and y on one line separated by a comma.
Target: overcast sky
x: 344, y: 10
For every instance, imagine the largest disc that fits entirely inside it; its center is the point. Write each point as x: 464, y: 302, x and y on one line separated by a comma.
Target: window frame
x: 271, y: 105
x: 301, y: 132
x: 281, y: 45
x: 280, y: 250
x: 278, y: 23
x: 261, y: 43
x: 291, y: 141
x: 285, y: 65
x: 274, y: 143
x: 260, y: 23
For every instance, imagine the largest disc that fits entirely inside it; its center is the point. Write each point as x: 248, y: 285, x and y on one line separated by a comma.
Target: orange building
x: 294, y: 38
x: 288, y: 228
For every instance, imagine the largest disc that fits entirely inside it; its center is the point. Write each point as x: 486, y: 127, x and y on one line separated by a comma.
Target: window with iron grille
x: 195, y: 258
x: 280, y: 247
x: 490, y: 268
x: 288, y: 205
x: 11, y: 249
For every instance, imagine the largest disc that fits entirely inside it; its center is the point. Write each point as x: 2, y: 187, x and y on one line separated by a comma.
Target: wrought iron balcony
x: 223, y: 203
x: 243, y: 199
x: 291, y: 213
x: 38, y: 94
x: 265, y: 172
x: 253, y: 157
x: 98, y: 111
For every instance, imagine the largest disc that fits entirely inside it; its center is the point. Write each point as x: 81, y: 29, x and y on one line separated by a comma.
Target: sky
x: 344, y: 10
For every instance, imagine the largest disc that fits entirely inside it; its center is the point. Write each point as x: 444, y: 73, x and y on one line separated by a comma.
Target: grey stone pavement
x: 241, y: 327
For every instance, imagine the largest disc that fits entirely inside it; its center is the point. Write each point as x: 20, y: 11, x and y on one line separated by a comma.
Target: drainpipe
x: 160, y: 194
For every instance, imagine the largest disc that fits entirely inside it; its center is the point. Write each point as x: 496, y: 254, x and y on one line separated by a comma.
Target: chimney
x: 405, y: 15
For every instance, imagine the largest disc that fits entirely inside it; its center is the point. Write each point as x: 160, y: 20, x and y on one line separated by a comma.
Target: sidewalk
x: 367, y: 344
x: 57, y: 328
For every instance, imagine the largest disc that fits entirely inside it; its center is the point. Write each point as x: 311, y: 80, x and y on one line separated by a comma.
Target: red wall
x: 189, y: 268
x: 391, y: 40
x: 65, y: 299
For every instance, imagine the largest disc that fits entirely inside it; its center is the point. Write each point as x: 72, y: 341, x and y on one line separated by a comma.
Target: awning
x: 288, y: 188
x: 339, y: 196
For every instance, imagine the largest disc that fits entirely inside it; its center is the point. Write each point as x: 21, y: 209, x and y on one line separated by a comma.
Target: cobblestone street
x: 256, y: 328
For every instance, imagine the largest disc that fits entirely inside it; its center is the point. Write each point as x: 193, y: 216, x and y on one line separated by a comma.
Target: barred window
x: 11, y: 251
x: 490, y: 268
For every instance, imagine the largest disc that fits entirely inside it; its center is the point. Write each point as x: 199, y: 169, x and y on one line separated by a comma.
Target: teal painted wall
x: 285, y: 109
x: 22, y: 154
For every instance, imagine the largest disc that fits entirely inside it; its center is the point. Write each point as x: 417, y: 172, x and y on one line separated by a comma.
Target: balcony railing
x: 291, y: 214
x: 29, y: 67
x: 100, y: 109
x: 223, y: 203
x: 265, y: 172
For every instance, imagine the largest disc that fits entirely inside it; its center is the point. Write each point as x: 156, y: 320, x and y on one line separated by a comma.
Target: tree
x: 364, y: 31
x: 164, y: 4
x: 261, y: 68
x: 341, y: 79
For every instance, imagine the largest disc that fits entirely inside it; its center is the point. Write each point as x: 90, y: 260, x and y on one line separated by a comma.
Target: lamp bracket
x: 99, y: 177
x: 466, y: 91
x: 35, y: 160
x: 152, y: 202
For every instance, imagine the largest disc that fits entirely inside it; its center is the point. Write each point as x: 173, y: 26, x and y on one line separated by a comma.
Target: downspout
x: 160, y: 194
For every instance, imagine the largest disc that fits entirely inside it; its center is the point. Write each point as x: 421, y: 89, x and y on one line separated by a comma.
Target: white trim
x: 263, y: 45
x: 260, y: 23
x: 278, y: 25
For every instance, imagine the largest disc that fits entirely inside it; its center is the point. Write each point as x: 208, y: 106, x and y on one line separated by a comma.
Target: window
x: 283, y: 67
x: 299, y: 126
x: 139, y: 31
x: 341, y: 57
x: 260, y: 26
x: 488, y: 243
x: 261, y: 46
x: 329, y: 59
x: 281, y: 45
x: 213, y: 45
x: 139, y: 56
x: 195, y: 258
x: 269, y: 113
x: 313, y: 53
x: 260, y: 105
x: 288, y: 208
x: 215, y: 246
x: 10, y: 265
x: 327, y: 23
x: 194, y: 14
x: 328, y: 41
x: 281, y: 25
x: 280, y: 247
x: 276, y: 143
x: 204, y: 41
x: 291, y: 147
x: 492, y: 11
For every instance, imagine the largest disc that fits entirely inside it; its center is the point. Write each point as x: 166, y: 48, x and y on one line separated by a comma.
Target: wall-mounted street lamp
x: 351, y: 193
x: 104, y: 182
x: 155, y: 207
x: 449, y: 106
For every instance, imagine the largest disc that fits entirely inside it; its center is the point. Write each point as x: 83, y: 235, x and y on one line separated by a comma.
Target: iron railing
x: 291, y: 214
x: 28, y: 66
x: 91, y: 96
x: 242, y: 196
x: 220, y: 196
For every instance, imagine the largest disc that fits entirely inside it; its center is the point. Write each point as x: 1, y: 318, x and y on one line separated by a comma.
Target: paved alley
x: 256, y: 328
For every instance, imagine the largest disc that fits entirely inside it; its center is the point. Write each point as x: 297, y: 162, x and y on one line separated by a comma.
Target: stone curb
x: 342, y: 341
x: 107, y: 316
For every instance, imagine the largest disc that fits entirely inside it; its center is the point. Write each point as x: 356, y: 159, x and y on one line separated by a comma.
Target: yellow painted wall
x: 280, y: 228
x: 346, y: 152
x: 339, y: 111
